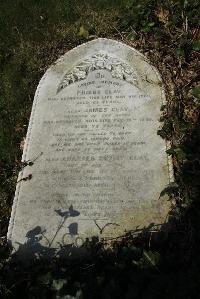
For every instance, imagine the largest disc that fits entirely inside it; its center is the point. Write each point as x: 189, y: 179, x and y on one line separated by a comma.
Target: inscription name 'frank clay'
x: 93, y: 162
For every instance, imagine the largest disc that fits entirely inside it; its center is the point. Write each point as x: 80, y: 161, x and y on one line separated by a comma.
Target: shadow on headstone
x: 32, y: 249
x: 115, y: 268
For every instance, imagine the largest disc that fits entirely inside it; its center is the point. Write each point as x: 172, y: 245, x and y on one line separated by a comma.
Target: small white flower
x: 79, y: 74
x: 117, y: 72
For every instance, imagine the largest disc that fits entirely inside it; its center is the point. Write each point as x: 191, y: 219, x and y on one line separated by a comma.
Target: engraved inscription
x: 97, y: 145
x: 103, y: 166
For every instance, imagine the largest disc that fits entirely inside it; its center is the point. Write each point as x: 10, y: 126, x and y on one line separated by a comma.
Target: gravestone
x: 93, y: 164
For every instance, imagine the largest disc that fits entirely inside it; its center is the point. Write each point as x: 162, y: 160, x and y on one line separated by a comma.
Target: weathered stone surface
x: 98, y: 166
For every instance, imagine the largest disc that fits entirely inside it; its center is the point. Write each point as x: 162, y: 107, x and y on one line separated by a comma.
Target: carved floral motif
x: 99, y: 61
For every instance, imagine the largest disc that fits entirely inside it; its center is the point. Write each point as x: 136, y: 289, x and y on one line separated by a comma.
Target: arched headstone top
x: 99, y: 61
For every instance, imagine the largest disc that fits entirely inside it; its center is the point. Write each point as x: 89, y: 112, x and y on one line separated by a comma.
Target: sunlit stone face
x: 98, y: 164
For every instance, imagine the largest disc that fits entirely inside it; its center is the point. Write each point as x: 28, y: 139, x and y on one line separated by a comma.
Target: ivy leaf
x: 58, y: 284
x: 83, y: 33
x: 196, y: 92
x: 181, y: 155
x: 196, y: 46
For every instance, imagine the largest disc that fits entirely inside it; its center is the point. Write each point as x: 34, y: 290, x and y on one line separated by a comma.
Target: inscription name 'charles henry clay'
x: 98, y: 166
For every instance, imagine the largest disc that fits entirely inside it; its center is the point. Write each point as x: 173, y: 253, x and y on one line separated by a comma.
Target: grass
x: 33, y: 34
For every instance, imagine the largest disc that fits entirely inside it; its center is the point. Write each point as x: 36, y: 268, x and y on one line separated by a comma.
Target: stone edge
x: 20, y: 176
